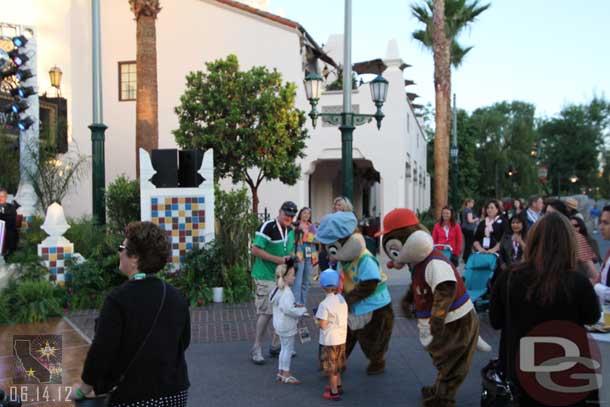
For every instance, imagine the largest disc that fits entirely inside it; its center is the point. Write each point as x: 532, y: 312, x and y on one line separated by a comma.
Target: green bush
x: 239, y: 285
x: 26, y: 301
x: 123, y: 202
x: 92, y: 240
x: 236, y: 224
x: 27, y: 249
x: 93, y: 279
x: 190, y: 278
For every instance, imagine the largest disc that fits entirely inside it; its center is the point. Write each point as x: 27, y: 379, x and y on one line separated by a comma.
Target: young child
x: 332, y: 318
x: 285, y: 318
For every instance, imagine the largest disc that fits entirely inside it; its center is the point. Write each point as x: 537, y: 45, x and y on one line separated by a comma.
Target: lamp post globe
x: 313, y: 85
x: 379, y: 93
x: 55, y: 75
x: 379, y: 89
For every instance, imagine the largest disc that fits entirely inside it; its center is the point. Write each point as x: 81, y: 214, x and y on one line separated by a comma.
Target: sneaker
x: 274, y: 352
x: 330, y: 396
x: 257, y: 357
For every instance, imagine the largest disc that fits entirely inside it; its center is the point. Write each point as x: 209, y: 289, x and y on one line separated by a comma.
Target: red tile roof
x: 260, y: 13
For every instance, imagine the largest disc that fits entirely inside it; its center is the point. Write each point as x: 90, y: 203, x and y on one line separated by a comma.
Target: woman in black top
x: 158, y: 374
x: 490, y: 230
x: 544, y: 287
x: 512, y: 244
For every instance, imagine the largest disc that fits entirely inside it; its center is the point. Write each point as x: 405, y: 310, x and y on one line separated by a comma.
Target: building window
x: 127, y: 80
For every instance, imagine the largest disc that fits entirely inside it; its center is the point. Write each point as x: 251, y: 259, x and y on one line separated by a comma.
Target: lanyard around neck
x: 283, y: 236
x: 138, y: 276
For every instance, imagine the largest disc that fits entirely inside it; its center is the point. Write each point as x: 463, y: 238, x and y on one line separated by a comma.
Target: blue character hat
x: 329, y: 278
x: 336, y: 226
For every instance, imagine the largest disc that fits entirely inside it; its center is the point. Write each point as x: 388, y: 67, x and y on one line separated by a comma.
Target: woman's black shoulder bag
x: 497, y: 388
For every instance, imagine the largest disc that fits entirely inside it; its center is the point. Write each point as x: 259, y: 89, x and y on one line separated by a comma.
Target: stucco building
x: 390, y: 164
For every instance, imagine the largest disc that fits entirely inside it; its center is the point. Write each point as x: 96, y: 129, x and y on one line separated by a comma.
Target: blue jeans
x: 302, y: 280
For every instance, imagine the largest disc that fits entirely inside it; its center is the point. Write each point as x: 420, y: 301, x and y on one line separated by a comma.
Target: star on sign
x: 47, y: 351
x: 31, y: 372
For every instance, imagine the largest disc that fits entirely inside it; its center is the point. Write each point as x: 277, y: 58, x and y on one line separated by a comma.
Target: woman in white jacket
x: 285, y: 318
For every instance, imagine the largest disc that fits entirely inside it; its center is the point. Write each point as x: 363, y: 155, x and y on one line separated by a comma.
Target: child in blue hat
x: 332, y: 318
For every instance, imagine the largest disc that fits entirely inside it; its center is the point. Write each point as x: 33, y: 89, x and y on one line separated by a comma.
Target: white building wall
x: 190, y: 33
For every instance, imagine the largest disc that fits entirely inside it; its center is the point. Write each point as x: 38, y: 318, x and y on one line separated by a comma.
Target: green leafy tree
x: 248, y: 118
x: 440, y: 33
x: 469, y: 171
x: 505, y: 134
x: 573, y: 144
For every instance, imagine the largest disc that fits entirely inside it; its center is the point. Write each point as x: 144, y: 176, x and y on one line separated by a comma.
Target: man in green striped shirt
x: 273, y: 245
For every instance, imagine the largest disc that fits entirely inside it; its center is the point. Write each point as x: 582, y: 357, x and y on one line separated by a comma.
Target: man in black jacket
x: 8, y: 213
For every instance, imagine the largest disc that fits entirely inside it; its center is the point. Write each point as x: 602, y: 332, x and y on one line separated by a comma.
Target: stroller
x: 445, y: 249
x: 477, y: 274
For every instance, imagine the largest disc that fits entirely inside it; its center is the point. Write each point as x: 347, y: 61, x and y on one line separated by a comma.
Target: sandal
x: 290, y: 380
x: 339, y: 389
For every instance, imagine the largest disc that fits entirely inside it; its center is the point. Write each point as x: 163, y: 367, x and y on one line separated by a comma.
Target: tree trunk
x: 255, y: 200
x: 147, y: 122
x: 442, y: 84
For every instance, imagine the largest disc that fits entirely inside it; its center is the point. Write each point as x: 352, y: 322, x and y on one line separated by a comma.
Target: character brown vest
x: 422, y: 292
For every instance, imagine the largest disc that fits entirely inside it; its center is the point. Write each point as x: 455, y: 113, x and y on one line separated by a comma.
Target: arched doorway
x: 325, y: 185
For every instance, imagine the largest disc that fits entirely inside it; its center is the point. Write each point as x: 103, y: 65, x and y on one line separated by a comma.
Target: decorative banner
x: 2, y: 229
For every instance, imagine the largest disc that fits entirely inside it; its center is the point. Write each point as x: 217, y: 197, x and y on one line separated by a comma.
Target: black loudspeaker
x: 165, y: 162
x: 190, y: 162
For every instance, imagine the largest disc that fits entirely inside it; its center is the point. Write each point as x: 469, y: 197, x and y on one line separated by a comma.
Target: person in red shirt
x: 448, y: 232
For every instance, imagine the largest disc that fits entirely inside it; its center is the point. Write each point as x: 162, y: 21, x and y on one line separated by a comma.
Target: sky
x: 546, y: 52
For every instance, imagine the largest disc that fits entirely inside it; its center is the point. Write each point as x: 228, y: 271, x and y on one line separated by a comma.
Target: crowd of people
x: 548, y: 270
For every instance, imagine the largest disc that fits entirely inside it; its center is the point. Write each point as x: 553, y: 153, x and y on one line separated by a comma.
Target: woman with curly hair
x: 142, y: 331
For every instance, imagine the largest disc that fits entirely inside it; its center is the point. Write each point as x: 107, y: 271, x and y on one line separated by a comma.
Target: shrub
x: 123, y: 202
x: 31, y: 301
x: 27, y: 249
x: 92, y: 240
x: 239, y: 285
x: 190, y: 281
x: 53, y: 175
x: 93, y: 279
x: 236, y: 223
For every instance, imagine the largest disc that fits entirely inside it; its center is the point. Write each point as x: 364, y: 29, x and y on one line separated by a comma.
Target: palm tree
x: 147, y: 108
x: 440, y: 33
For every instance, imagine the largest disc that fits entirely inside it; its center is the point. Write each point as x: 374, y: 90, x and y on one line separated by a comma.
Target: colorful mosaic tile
x: 54, y: 258
x: 183, y: 220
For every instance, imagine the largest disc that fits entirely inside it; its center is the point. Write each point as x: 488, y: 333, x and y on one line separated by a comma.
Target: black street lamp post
x: 347, y: 120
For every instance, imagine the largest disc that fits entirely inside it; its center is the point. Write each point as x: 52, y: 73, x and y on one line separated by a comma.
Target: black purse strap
x: 135, y: 356
x: 513, y: 390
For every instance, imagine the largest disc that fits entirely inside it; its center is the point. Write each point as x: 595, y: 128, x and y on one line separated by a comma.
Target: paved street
x: 222, y: 375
